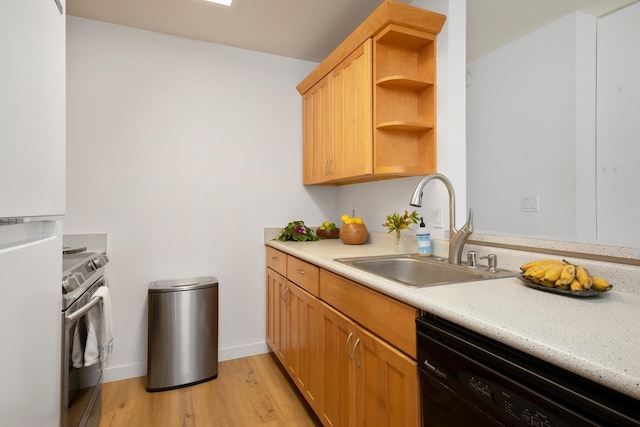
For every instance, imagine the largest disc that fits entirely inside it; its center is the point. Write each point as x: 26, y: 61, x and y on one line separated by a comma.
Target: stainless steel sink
x: 416, y: 271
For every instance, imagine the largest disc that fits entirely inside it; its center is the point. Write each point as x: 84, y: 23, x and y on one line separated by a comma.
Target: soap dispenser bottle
x: 423, y: 237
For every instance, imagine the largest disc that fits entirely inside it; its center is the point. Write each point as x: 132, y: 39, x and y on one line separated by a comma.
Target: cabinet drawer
x: 390, y: 319
x: 277, y: 260
x: 303, y: 274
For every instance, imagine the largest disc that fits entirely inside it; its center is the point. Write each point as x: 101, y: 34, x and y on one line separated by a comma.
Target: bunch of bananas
x: 563, y: 275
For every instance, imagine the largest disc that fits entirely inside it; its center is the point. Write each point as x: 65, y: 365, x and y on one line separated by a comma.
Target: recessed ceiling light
x: 224, y: 2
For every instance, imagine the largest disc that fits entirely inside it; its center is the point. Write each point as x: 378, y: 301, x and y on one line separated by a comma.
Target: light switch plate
x: 530, y: 204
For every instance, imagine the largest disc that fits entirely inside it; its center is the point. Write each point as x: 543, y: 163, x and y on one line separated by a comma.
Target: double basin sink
x: 419, y: 272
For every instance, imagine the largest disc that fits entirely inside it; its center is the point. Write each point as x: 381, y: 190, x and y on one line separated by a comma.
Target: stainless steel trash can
x: 183, y: 332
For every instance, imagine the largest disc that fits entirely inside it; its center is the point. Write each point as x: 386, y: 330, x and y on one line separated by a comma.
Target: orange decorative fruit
x: 354, y: 234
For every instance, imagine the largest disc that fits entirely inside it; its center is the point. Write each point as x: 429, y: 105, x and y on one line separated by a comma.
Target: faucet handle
x: 472, y: 259
x: 492, y: 259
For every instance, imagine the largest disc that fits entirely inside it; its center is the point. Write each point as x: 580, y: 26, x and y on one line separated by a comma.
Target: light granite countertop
x: 597, y: 337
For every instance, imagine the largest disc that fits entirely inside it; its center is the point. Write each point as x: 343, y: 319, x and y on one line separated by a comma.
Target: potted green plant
x: 396, y: 222
x: 297, y: 232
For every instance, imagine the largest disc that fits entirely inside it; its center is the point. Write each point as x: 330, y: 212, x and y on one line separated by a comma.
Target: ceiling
x: 302, y: 29
x: 311, y: 29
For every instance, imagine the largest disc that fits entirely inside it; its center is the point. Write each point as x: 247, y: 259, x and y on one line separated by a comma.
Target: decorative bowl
x: 354, y: 234
x: 328, y: 233
x: 582, y: 293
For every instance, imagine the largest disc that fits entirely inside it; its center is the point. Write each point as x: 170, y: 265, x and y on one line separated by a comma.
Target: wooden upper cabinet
x: 352, y: 97
x: 369, y: 109
x: 337, y: 129
x: 317, y: 126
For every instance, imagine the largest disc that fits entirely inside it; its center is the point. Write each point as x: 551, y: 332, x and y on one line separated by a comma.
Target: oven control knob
x: 72, y: 282
x: 100, y: 261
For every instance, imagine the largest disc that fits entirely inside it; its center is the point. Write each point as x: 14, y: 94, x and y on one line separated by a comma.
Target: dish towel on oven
x: 77, y: 349
x: 99, y: 344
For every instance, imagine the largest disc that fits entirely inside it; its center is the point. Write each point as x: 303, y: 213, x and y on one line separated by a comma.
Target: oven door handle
x: 84, y: 309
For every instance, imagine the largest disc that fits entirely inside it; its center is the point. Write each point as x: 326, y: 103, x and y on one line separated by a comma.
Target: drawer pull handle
x: 435, y: 370
x: 354, y: 352
x: 300, y: 271
x: 346, y: 346
x: 283, y: 294
x: 275, y: 258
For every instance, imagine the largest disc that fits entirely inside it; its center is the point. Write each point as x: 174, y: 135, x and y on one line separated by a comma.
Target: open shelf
x: 405, y: 152
x: 401, y: 105
x: 404, y: 53
x: 400, y: 125
x: 403, y: 82
x: 404, y: 102
x: 409, y: 38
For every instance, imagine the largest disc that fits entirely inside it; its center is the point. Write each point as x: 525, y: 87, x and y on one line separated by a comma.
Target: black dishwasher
x: 467, y: 379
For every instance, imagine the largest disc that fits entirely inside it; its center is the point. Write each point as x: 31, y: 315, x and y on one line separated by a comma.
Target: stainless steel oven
x: 81, y: 386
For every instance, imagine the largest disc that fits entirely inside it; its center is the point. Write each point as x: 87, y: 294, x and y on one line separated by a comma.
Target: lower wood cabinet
x: 337, y: 368
x: 304, y: 342
x: 277, y: 316
x: 365, y: 381
x: 349, y: 375
x: 387, y: 385
x: 292, y: 332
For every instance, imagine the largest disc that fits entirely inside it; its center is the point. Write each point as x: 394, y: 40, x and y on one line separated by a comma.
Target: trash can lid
x: 177, y: 285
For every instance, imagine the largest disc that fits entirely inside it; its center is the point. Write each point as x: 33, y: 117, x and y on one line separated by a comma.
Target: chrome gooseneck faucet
x: 457, y: 238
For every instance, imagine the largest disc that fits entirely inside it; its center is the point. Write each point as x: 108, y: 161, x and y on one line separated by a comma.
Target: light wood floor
x: 252, y: 391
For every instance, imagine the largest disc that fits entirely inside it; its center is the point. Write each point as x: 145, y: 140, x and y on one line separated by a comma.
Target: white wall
x: 618, y: 127
x: 183, y: 151
x: 524, y: 102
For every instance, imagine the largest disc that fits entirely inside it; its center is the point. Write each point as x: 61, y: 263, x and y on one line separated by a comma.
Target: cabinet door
x: 32, y: 109
x: 387, y: 384
x: 337, y: 370
x: 317, y: 144
x: 277, y: 315
x: 352, y: 114
x: 304, y: 343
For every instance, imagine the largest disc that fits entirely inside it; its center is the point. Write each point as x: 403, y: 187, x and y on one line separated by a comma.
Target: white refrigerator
x: 32, y: 175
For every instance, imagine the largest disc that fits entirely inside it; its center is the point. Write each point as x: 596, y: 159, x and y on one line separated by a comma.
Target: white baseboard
x: 123, y: 372
x: 134, y: 370
x: 231, y: 353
